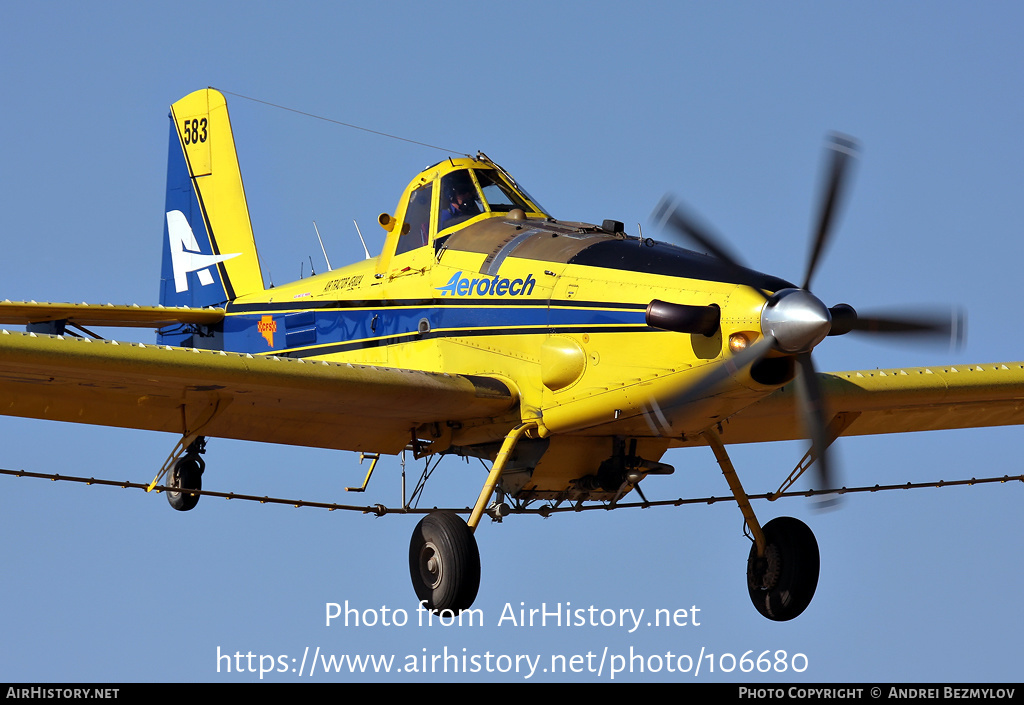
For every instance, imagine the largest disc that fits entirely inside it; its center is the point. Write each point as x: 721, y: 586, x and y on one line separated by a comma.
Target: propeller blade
x: 722, y: 372
x: 843, y: 149
x: 949, y: 325
x: 727, y: 369
x: 952, y: 327
x: 793, y: 322
x: 815, y: 422
x: 670, y: 213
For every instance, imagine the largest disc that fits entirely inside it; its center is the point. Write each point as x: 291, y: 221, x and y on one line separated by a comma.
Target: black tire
x: 444, y: 562
x: 782, y: 583
x: 187, y: 474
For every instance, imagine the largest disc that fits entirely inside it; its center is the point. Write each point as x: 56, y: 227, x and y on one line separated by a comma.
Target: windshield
x: 499, y: 196
x: 469, y: 192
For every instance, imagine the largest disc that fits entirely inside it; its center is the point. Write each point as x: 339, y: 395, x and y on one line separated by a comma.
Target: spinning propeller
x: 793, y: 320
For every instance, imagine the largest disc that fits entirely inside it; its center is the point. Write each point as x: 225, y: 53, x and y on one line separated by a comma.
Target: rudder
x: 209, y: 253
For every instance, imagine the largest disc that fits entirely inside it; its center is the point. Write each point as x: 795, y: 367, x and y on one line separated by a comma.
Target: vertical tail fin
x: 209, y: 251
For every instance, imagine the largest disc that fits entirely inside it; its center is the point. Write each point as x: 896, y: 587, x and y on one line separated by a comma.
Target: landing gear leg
x: 186, y: 475
x: 783, y: 565
x: 444, y: 561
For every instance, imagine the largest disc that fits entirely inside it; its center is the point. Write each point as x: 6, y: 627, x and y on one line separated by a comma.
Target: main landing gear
x: 444, y: 562
x: 781, y: 582
x: 783, y: 564
x: 782, y: 568
x: 186, y: 475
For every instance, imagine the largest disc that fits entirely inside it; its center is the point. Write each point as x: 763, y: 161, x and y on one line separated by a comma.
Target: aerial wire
x: 343, y: 124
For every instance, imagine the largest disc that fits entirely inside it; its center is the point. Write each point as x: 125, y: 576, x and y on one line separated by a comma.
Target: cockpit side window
x: 499, y: 197
x: 460, y: 200
x: 416, y: 229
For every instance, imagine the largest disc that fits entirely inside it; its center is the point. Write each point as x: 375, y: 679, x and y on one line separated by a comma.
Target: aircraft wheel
x: 782, y: 583
x: 444, y: 562
x: 187, y: 474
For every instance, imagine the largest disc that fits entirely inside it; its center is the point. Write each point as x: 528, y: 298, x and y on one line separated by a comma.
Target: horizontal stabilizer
x: 131, y: 316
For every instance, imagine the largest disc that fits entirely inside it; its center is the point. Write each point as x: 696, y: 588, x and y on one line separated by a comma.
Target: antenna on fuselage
x: 322, y: 248
x: 360, y: 233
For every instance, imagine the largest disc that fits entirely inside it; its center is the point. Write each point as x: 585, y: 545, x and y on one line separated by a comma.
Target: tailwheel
x: 186, y: 475
x: 782, y: 582
x: 444, y: 562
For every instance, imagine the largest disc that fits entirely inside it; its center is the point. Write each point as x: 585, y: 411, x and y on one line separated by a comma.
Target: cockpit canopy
x: 453, y: 193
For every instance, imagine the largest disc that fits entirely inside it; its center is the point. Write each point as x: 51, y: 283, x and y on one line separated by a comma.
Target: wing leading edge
x: 901, y: 400
x: 230, y: 395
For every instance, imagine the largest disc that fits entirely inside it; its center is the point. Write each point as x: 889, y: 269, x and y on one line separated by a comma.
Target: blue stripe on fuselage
x: 382, y: 324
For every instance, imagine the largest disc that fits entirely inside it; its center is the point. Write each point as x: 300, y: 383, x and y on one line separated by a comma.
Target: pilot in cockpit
x: 460, y: 199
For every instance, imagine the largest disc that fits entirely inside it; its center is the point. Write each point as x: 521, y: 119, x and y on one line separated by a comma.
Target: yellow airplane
x: 570, y: 356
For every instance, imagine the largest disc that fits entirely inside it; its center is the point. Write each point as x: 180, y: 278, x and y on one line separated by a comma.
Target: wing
x: 230, y: 395
x: 871, y: 402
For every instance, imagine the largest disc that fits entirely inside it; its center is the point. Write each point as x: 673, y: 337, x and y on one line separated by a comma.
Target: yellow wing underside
x: 870, y: 402
x: 231, y: 395
x: 359, y: 407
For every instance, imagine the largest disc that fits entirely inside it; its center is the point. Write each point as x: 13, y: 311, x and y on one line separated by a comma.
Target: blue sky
x: 599, y: 109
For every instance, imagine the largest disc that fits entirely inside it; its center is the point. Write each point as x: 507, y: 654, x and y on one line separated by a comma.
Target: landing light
x: 738, y: 342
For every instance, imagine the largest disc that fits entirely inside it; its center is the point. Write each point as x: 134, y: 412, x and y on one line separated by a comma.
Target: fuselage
x: 555, y: 310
